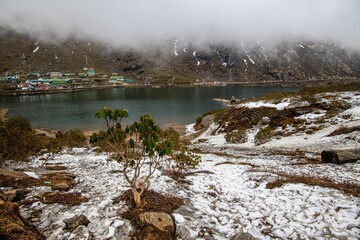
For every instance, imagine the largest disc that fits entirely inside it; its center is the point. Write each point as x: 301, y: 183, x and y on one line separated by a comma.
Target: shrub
x: 236, y: 136
x: 141, y: 144
x: 263, y: 135
x: 18, y: 140
x: 71, y: 139
x: 181, y: 159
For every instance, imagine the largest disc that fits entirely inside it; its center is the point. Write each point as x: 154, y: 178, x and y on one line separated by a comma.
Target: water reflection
x: 77, y: 109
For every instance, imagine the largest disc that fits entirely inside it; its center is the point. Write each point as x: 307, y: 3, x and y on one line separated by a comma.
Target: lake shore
x: 303, y: 83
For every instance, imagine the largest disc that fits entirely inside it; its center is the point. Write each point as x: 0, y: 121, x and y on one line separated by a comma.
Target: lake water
x: 168, y: 106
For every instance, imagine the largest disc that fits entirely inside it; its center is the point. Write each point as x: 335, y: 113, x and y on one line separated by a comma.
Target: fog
x: 137, y: 22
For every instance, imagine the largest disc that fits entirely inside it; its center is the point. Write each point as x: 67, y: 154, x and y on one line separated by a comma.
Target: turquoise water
x: 168, y: 106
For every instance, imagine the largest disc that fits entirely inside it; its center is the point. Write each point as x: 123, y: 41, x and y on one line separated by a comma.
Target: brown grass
x: 62, y: 198
x: 238, y: 163
x: 346, y: 187
x: 13, y: 226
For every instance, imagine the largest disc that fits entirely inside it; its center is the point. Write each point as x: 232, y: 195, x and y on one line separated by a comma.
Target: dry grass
x: 63, y: 198
x: 346, y: 187
x: 237, y: 163
x: 13, y: 226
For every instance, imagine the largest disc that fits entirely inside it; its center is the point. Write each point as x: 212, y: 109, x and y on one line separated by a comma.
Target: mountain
x: 179, y: 62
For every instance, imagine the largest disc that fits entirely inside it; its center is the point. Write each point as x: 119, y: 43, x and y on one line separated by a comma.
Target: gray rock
x: 242, y: 236
x: 183, y: 232
x: 161, y: 221
x: 73, y: 223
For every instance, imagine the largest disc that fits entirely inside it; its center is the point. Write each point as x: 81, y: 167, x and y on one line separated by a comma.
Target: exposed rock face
x: 73, y: 223
x: 161, y: 221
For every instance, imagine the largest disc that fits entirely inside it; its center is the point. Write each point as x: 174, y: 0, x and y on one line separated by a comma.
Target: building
x: 61, y: 81
x: 55, y: 74
x: 116, y: 79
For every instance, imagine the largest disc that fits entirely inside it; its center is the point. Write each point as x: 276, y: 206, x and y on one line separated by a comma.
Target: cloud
x: 134, y: 22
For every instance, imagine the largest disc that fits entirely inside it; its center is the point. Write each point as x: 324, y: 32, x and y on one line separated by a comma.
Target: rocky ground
x: 276, y: 188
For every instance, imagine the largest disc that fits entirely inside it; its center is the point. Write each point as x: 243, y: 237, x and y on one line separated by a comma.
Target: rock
x: 73, y: 223
x: 265, y: 120
x: 15, y: 195
x: 340, y: 156
x: 184, y: 232
x: 161, y: 221
x: 243, y: 236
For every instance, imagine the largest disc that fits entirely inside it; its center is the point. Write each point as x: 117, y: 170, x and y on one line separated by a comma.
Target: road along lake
x: 168, y: 106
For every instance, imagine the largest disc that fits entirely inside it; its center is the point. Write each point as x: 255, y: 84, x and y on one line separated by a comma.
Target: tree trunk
x: 137, y: 197
x: 340, y: 156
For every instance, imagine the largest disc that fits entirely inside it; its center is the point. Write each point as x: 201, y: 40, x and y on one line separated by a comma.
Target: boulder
x: 160, y: 220
x: 340, y: 156
x: 72, y: 223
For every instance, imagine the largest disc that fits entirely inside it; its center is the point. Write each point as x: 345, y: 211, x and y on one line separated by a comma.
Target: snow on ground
x: 231, y: 200
x: 279, y: 106
x: 252, y: 61
x: 316, y: 141
x: 36, y: 49
x: 234, y: 199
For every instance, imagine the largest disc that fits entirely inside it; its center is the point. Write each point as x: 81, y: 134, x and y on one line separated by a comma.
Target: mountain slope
x: 178, y: 61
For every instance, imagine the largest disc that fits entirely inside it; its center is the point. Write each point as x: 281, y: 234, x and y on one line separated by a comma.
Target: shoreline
x: 179, y: 128
x: 304, y: 83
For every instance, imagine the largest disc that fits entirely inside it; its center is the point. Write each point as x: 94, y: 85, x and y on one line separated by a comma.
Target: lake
x: 168, y: 106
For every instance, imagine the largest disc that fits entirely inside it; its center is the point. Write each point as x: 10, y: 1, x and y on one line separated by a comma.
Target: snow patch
x: 278, y: 106
x: 32, y: 174
x: 36, y: 49
x: 252, y: 61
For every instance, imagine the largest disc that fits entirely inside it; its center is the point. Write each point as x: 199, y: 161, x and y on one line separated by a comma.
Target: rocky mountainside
x: 179, y: 62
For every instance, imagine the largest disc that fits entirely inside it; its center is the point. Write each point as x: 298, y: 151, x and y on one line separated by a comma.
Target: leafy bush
x: 18, y: 140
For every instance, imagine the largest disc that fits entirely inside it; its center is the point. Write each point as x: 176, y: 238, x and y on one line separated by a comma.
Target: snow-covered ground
x: 230, y: 200
x: 233, y: 199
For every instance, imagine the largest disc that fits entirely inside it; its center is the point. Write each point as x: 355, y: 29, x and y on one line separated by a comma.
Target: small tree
x: 137, y: 145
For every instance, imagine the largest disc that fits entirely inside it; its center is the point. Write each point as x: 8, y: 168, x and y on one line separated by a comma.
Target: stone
x: 184, y: 232
x: 15, y: 195
x: 242, y: 236
x: 160, y: 220
x: 73, y: 223
x: 340, y: 156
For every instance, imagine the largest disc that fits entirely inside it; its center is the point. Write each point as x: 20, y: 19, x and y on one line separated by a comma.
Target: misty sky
x: 133, y: 22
